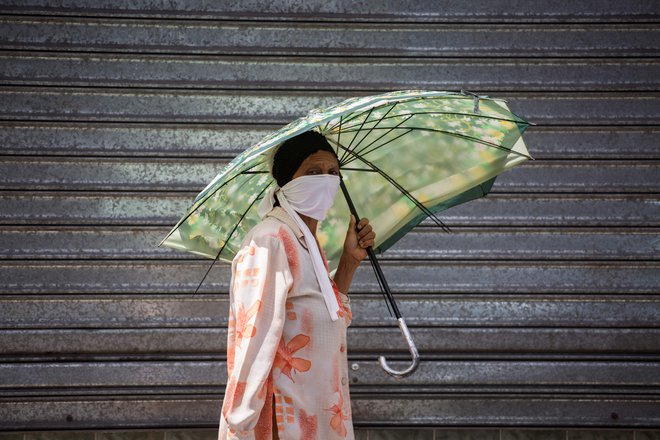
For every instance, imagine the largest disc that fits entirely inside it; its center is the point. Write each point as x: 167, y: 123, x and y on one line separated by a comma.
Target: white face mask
x: 312, y: 196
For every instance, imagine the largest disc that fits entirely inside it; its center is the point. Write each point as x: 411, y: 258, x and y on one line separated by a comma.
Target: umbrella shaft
x: 372, y: 256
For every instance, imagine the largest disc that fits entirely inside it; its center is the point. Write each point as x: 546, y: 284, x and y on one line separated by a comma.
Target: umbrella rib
x: 229, y: 180
x: 363, y: 170
x: 378, y: 146
x: 374, y: 127
x: 224, y: 245
x: 410, y: 115
x: 470, y: 115
x: 462, y: 136
x: 475, y: 139
x: 339, y: 133
x: 450, y: 96
x: 353, y: 115
x: 383, y: 144
x: 198, y: 203
x: 352, y: 140
x: 357, y: 113
x: 341, y: 162
x: 425, y: 98
x: 403, y: 191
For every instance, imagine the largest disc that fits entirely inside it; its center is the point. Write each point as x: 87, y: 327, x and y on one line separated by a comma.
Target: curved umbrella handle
x: 388, y: 296
x: 413, y: 352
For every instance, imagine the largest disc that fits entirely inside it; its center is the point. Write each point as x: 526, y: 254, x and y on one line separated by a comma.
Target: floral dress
x: 284, y: 353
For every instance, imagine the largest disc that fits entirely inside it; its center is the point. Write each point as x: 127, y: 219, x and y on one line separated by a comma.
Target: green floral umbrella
x: 404, y: 156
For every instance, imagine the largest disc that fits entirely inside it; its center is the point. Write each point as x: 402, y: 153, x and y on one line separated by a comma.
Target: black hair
x: 294, y: 151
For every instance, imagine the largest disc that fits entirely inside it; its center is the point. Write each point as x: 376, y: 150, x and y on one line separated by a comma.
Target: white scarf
x: 311, y: 196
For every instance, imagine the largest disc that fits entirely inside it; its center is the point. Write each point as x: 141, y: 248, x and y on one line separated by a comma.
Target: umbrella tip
x: 475, y: 97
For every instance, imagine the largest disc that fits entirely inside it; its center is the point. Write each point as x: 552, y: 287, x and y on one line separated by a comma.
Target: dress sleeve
x: 261, y: 280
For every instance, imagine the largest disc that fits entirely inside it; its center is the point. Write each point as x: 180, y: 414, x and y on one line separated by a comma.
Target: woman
x: 286, y: 348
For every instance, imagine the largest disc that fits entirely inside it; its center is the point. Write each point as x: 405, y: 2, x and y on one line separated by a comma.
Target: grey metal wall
x: 541, y: 308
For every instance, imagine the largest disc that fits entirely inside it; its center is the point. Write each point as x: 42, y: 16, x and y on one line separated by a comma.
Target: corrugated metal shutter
x: 540, y: 309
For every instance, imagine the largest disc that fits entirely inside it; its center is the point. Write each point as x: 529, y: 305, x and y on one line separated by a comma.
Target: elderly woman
x: 286, y: 347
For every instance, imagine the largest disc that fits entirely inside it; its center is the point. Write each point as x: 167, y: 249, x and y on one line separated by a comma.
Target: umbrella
x: 411, y: 154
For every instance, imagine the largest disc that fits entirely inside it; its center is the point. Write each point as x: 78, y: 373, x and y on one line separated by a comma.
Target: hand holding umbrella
x: 359, y: 237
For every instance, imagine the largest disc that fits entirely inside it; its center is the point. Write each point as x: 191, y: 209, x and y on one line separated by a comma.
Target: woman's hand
x: 355, y: 249
x: 358, y: 240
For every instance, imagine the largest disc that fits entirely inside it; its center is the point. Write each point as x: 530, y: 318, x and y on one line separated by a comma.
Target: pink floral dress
x: 282, y: 346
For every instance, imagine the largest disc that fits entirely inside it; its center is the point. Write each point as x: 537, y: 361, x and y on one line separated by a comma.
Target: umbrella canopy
x: 404, y: 156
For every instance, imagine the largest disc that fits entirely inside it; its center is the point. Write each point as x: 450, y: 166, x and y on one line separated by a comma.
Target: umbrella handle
x: 413, y: 352
x: 388, y: 295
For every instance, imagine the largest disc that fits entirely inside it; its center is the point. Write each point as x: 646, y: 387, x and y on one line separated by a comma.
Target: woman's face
x: 321, y: 162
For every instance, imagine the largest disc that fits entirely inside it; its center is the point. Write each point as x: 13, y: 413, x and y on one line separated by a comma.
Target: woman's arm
x: 260, y: 284
x: 355, y: 250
